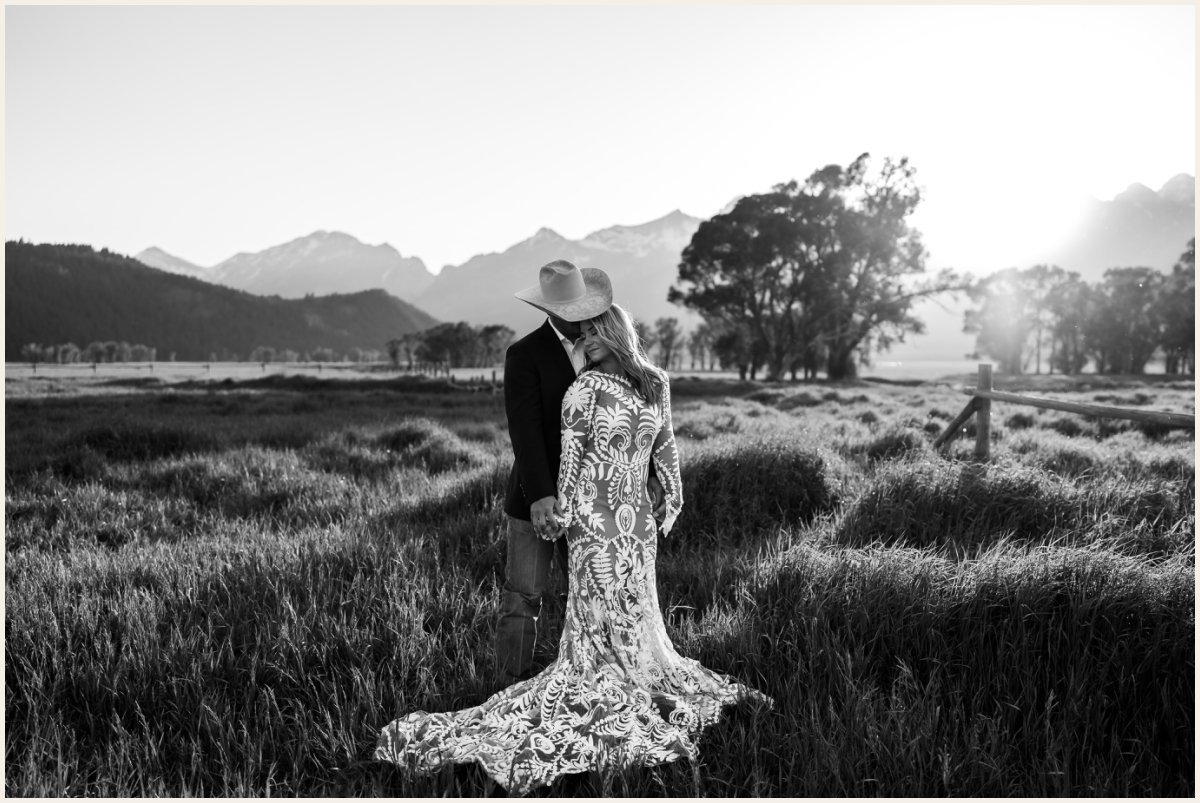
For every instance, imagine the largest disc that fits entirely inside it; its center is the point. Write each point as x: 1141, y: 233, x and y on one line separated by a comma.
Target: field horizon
x: 226, y: 585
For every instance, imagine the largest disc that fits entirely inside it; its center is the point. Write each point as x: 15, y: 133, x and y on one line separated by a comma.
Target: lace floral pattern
x: 618, y: 694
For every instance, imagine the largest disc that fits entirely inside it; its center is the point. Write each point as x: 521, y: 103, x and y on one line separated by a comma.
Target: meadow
x: 227, y: 586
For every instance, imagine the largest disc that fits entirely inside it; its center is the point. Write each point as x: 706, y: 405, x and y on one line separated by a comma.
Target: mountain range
x: 1140, y: 226
x: 641, y: 260
x: 324, y: 262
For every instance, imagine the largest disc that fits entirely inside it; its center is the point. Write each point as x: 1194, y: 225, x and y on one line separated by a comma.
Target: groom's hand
x: 541, y: 514
x: 658, y: 496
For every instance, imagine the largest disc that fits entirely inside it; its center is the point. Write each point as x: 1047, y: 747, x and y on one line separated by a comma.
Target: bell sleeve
x: 665, y: 459
x: 574, y: 499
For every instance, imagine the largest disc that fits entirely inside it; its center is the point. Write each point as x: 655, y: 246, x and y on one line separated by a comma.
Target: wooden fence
x: 982, y: 397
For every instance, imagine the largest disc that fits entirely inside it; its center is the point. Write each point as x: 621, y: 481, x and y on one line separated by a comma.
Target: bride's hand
x: 658, y: 497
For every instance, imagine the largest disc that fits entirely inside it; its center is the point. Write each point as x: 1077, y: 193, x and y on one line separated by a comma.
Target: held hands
x: 658, y: 498
x: 545, y: 514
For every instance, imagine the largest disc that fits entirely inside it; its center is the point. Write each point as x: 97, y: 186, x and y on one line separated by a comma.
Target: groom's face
x: 572, y: 329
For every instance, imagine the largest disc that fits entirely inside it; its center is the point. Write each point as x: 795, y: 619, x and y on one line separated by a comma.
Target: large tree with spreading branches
x: 830, y: 265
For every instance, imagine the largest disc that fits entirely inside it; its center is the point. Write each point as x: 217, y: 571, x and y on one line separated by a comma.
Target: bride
x: 618, y: 694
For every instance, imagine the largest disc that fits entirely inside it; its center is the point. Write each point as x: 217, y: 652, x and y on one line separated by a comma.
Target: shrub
x: 291, y: 435
x: 707, y: 422
x: 253, y: 483
x: 483, y: 433
x: 964, y: 507
x: 752, y: 484
x: 127, y: 441
x: 1012, y: 647
x: 79, y: 463
x: 802, y: 399
x: 1020, y: 421
x: 895, y: 443
x: 933, y: 503
x: 429, y: 445
x: 768, y: 396
x: 93, y: 515
x: 1068, y: 459
x: 1065, y: 426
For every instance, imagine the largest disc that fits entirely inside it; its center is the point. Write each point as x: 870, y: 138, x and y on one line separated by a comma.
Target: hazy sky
x: 449, y: 131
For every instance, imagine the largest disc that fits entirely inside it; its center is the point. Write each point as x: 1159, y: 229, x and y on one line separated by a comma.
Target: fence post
x: 983, y: 413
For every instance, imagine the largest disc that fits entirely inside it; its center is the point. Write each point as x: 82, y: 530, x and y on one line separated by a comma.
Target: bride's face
x: 596, y: 351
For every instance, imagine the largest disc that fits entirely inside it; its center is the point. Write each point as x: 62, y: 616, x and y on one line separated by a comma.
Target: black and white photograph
x: 663, y: 399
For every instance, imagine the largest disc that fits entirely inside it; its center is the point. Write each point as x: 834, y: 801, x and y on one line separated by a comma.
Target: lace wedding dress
x: 618, y: 694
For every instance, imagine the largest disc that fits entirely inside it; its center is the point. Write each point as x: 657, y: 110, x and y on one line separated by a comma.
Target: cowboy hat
x: 568, y: 292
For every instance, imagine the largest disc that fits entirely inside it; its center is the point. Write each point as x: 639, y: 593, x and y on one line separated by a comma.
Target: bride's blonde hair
x: 614, y: 328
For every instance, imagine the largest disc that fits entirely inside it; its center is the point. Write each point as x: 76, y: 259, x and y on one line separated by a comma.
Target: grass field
x: 225, y: 587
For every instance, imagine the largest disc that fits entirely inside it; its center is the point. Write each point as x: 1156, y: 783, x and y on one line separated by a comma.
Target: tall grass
x: 232, y: 594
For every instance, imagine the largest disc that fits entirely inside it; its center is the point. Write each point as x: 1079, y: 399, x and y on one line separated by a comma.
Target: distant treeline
x: 1043, y: 316
x: 73, y: 294
x: 114, y: 352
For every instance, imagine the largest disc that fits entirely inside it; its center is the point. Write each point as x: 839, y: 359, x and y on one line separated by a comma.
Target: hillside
x: 72, y: 293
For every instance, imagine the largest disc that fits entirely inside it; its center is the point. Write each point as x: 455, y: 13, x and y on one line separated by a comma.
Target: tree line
x: 451, y: 345
x: 94, y: 352
x: 1046, y: 316
x: 112, y: 351
x: 821, y: 275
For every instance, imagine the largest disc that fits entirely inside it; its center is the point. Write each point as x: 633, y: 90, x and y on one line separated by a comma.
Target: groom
x: 538, y: 369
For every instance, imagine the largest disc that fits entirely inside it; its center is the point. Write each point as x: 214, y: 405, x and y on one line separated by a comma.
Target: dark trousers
x: 527, y: 571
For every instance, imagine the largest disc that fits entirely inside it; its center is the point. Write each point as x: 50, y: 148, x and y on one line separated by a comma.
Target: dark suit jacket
x: 537, y: 373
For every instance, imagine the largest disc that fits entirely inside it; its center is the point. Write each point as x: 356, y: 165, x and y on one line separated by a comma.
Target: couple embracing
x: 595, y: 480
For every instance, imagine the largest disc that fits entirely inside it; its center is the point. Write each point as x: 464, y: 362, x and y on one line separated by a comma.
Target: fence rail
x: 983, y: 395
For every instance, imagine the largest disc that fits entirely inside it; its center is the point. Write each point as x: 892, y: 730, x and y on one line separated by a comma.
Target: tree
x: 699, y: 344
x: 404, y: 348
x: 669, y: 338
x: 32, y: 353
x: 734, y: 348
x: 495, y: 339
x: 1015, y: 317
x: 262, y: 354
x: 141, y: 353
x: 1126, y: 327
x: 69, y: 353
x: 450, y: 343
x: 1177, y: 306
x: 1071, y: 305
x: 393, y: 351
x: 646, y: 336
x: 829, y: 262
